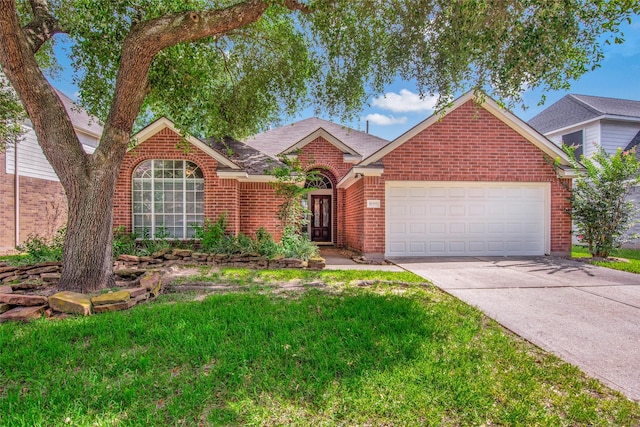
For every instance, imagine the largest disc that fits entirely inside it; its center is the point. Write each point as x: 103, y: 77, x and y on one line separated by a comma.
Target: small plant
x: 296, y: 245
x: 211, y: 234
x: 40, y: 249
x: 148, y: 245
x: 265, y: 244
x: 123, y: 242
x: 289, y: 185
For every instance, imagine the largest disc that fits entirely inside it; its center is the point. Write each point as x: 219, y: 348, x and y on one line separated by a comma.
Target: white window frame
x: 153, y: 180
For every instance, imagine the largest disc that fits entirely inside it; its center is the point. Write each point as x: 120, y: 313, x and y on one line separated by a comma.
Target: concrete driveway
x: 586, y: 315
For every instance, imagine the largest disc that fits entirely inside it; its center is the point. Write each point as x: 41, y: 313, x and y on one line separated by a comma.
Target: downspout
x: 16, y: 192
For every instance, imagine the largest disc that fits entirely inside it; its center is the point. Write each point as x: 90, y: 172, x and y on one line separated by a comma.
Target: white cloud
x: 405, y: 101
x: 382, y: 120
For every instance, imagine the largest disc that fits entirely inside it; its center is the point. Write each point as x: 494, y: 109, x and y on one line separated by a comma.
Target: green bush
x: 264, y: 243
x: 212, y: 235
x: 601, y: 208
x: 40, y: 249
x: 296, y: 245
x: 123, y: 242
x: 147, y: 245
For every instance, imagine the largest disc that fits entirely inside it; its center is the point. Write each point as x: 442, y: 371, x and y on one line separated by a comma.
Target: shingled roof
x: 251, y: 160
x: 573, y: 109
x: 275, y: 141
x: 79, y: 117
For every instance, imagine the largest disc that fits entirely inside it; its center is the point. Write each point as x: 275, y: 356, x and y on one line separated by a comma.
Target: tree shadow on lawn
x: 251, y: 358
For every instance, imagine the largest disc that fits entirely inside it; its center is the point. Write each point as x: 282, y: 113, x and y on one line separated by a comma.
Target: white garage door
x: 466, y: 219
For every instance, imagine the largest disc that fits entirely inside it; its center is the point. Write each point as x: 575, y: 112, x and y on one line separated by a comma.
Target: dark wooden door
x: 321, y: 218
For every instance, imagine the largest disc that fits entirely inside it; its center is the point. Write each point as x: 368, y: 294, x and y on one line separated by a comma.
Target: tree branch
x: 51, y: 122
x: 148, y: 38
x: 42, y: 27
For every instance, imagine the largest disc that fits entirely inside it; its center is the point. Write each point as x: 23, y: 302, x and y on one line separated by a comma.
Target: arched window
x: 168, y: 198
x: 319, y: 182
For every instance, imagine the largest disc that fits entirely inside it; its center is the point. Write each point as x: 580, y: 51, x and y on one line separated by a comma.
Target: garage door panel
x: 437, y: 227
x: 457, y: 210
x: 457, y: 247
x: 418, y: 210
x: 427, y: 219
x: 476, y: 227
x: 457, y: 228
x: 437, y: 247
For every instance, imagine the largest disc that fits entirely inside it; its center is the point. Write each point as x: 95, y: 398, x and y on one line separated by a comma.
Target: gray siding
x: 31, y: 159
x: 617, y: 135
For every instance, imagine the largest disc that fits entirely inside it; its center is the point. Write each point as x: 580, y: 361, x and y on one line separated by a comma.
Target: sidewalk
x: 338, y: 259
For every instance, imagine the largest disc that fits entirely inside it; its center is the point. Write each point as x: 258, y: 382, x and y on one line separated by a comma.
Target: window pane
x: 167, y: 198
x: 143, y: 170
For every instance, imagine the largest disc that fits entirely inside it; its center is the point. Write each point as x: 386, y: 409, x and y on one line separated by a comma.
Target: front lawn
x: 632, y: 255
x: 352, y: 349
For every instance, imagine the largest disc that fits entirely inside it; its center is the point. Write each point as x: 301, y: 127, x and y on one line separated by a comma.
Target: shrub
x: 601, y: 210
x: 296, y: 245
x: 123, y: 242
x: 147, y: 245
x: 212, y: 234
x: 264, y: 243
x: 40, y: 249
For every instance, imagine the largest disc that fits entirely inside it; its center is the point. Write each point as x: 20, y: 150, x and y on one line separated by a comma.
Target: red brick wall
x: 43, y: 207
x: 353, y: 219
x: 374, y: 218
x: 321, y: 154
x: 220, y: 195
x: 258, y: 208
x: 470, y: 144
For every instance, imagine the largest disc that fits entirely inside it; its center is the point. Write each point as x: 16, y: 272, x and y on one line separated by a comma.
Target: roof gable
x: 572, y: 110
x: 321, y: 133
x: 515, y: 123
x: 164, y: 123
x: 276, y: 141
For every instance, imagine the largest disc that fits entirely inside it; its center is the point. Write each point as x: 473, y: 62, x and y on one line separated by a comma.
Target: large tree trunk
x: 87, y: 263
x: 90, y: 180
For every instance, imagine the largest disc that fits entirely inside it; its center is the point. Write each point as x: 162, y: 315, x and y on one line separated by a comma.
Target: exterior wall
x: 374, y: 218
x: 353, y: 219
x: 31, y: 159
x: 43, y: 207
x: 220, y: 195
x: 258, y: 208
x: 470, y: 144
x: 592, y: 136
x: 617, y: 134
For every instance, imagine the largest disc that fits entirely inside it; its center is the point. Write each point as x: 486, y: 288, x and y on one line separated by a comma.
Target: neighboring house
x: 588, y: 121
x: 475, y: 181
x: 33, y: 201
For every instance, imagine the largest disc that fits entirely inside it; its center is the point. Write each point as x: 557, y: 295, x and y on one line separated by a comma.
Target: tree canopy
x: 334, y: 55
x: 227, y: 67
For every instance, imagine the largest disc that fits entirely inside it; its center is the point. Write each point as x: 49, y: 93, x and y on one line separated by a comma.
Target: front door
x: 321, y: 218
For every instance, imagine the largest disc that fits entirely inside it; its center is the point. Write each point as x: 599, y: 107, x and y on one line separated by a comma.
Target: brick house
x: 33, y: 200
x: 473, y: 181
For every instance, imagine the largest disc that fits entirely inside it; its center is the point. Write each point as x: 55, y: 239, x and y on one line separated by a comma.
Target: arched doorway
x: 320, y: 202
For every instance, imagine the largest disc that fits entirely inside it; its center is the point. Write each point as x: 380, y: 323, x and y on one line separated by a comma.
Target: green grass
x: 243, y: 276
x: 632, y: 255
x: 380, y: 355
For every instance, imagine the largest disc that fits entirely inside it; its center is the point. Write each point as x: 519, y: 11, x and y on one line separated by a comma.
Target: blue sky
x: 400, y: 109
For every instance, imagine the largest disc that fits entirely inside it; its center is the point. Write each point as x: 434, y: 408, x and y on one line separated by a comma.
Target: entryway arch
x: 321, y: 203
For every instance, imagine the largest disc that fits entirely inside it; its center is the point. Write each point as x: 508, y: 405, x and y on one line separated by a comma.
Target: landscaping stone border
x: 24, y: 295
x: 168, y: 257
x: 20, y: 307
